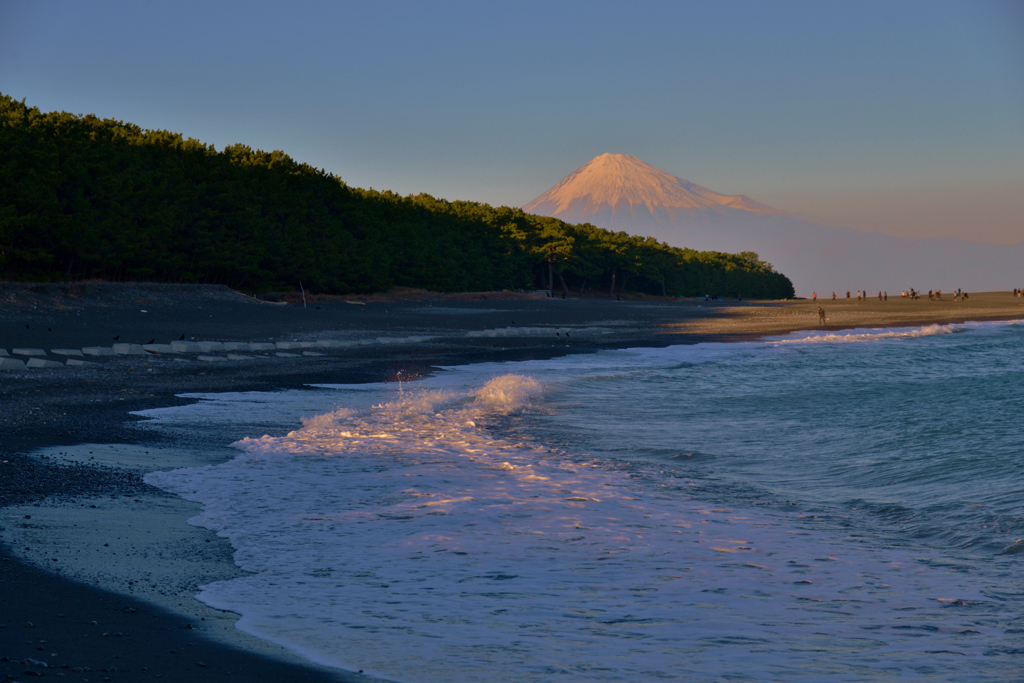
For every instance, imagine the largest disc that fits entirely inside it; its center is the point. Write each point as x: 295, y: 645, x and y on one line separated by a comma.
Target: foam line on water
x: 860, y: 335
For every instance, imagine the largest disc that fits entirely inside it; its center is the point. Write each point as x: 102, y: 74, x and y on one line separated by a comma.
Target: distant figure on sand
x: 821, y: 315
x: 833, y: 296
x: 886, y: 295
x: 879, y: 296
x: 814, y: 296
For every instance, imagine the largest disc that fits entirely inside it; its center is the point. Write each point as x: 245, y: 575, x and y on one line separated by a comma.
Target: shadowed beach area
x: 127, y: 628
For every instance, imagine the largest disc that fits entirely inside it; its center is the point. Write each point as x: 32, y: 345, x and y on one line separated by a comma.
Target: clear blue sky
x: 903, y: 117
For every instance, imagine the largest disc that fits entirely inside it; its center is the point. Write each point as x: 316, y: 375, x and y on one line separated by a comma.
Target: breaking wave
x: 869, y: 336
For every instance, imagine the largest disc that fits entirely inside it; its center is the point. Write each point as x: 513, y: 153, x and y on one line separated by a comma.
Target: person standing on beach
x: 886, y: 295
x: 833, y: 296
x: 821, y: 316
x: 814, y: 296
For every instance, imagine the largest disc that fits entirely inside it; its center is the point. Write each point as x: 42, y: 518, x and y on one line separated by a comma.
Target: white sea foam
x: 406, y: 540
x: 860, y: 335
x: 508, y: 393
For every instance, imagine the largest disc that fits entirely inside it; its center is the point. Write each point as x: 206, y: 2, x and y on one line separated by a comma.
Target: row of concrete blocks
x: 211, y: 346
x: 176, y: 347
x: 540, y: 332
x: 7, y: 363
x: 18, y: 364
x: 42, y: 352
x: 180, y: 347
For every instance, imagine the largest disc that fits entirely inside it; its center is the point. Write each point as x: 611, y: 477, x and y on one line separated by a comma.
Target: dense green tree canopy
x: 83, y: 198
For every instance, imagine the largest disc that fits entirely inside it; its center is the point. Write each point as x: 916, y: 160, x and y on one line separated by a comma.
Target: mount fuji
x: 621, y: 192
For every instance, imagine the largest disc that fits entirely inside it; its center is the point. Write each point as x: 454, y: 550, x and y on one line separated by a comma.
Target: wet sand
x: 158, y: 630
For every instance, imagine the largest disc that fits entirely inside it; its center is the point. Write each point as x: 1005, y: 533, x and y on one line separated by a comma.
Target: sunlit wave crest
x: 444, y: 420
x: 856, y: 336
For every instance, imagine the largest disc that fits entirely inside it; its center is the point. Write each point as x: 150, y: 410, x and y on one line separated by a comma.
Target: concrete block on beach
x: 66, y: 352
x: 3, y: 353
x: 11, y: 364
x: 75, y: 362
x: 207, y: 346
x: 235, y: 356
x: 211, y: 359
x: 262, y: 346
x: 185, y: 346
x: 98, y: 351
x: 28, y: 352
x: 283, y: 354
x: 236, y: 346
x: 43, y: 363
x: 288, y: 345
x: 311, y: 353
x: 129, y: 349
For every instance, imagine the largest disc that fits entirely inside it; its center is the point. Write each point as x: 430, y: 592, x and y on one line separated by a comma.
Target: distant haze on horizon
x: 904, y: 118
x: 621, y: 192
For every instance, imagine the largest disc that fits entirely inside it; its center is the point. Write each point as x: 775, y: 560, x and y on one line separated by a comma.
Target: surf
x: 532, y: 521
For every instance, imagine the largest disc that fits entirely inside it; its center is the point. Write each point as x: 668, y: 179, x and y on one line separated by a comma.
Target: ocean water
x: 841, y: 506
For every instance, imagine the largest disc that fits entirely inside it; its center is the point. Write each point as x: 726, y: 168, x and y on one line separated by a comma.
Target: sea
x: 841, y: 506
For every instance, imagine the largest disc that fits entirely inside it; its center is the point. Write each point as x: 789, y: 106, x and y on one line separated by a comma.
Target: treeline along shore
x: 89, y: 198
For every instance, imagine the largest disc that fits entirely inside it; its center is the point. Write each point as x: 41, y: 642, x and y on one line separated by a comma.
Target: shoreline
x: 45, y: 409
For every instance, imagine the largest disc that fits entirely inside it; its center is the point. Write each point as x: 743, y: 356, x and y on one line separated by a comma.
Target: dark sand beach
x: 91, y: 633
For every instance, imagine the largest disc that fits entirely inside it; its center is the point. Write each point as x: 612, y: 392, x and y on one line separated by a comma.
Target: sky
x: 902, y: 117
